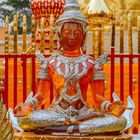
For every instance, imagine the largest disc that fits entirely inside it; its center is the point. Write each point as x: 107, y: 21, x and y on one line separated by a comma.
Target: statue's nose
x: 71, y: 35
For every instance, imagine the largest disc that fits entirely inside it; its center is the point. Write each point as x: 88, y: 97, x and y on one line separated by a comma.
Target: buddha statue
x: 71, y: 72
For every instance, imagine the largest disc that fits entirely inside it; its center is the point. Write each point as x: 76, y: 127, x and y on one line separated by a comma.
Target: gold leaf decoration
x: 6, y: 130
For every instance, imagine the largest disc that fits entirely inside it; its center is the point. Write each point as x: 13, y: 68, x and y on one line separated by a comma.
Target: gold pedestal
x: 32, y: 136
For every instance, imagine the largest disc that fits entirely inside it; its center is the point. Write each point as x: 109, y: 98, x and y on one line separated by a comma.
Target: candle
x: 42, y: 35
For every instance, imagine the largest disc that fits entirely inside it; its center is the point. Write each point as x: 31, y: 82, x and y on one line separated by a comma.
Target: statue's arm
x: 43, y: 88
x: 43, y: 84
x: 98, y: 88
x: 33, y: 102
x: 97, y: 84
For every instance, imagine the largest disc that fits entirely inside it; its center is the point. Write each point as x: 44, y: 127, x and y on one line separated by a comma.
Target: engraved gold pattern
x: 15, y: 32
x: 31, y: 136
x: 6, y: 35
x: 24, y: 32
x: 6, y: 130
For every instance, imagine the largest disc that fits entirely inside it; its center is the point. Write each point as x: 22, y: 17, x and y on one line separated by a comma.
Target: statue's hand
x: 87, y: 117
x: 81, y: 118
x: 22, y: 109
x: 117, y: 108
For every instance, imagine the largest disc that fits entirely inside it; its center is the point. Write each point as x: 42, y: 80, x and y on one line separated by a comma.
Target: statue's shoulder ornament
x: 42, y: 60
x: 101, y: 60
x: 43, y: 72
x: 98, y: 70
x: 52, y: 58
x: 91, y: 60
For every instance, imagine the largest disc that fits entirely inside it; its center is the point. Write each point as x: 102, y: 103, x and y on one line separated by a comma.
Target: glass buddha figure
x: 71, y: 72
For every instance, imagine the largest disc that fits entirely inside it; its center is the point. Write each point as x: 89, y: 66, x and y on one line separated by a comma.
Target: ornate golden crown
x: 71, y: 14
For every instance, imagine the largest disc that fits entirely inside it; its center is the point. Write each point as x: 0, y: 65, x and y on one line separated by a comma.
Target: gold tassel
x: 101, y: 40
x: 96, y: 43
x: 51, y: 32
x: 130, y: 44
x: 24, y: 32
x: 33, y: 34
x: 113, y: 31
x: 139, y: 34
x: 121, y: 36
x: 6, y: 35
x: 42, y: 47
x: 15, y: 32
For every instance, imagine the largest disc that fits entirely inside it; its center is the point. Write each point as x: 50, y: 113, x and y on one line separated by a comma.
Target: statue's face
x: 71, y: 36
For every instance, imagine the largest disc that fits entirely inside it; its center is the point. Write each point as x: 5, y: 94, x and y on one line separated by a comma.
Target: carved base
x: 32, y: 136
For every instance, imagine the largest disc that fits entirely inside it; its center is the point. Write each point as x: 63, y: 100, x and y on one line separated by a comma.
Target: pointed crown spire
x: 69, y: 4
x: 71, y: 14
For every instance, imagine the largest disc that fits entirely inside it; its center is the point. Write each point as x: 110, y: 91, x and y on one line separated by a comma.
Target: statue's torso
x: 70, y: 77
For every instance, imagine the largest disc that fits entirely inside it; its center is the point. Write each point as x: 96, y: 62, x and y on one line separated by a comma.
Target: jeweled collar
x: 78, y: 59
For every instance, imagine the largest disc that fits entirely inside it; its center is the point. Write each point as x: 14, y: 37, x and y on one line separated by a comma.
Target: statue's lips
x: 72, y: 41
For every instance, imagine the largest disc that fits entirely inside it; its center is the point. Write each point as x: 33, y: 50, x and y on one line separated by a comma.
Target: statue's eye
x: 66, y: 32
x: 77, y: 33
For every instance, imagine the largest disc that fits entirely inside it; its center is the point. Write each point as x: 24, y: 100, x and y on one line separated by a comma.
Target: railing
x: 28, y: 64
x: 23, y: 66
x: 14, y: 68
x: 132, y: 83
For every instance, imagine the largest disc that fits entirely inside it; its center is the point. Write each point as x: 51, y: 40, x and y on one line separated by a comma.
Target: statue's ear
x: 59, y: 34
x: 83, y: 47
x: 84, y: 36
